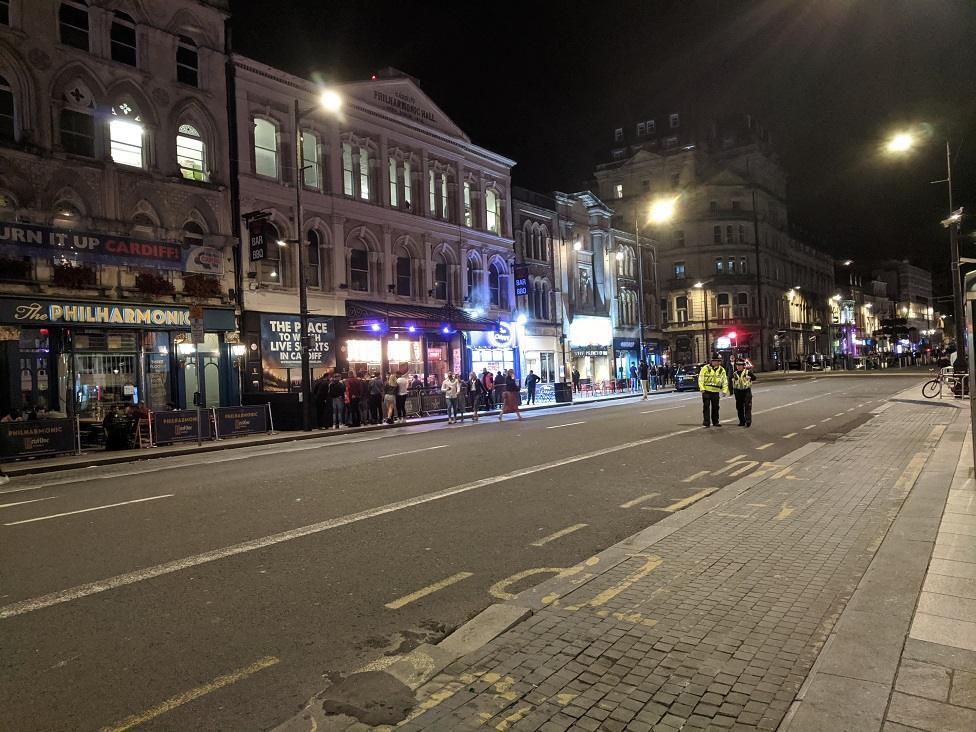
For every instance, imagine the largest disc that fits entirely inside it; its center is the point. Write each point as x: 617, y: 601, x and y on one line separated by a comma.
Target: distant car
x: 686, y: 377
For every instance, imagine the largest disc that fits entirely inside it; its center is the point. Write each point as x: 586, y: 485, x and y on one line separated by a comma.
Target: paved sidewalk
x: 714, y: 617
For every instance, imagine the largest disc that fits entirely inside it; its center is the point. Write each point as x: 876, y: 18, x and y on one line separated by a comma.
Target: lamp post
x: 662, y: 211
x: 702, y: 286
x: 330, y: 102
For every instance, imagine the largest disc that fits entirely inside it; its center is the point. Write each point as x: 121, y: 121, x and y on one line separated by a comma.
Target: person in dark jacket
x: 742, y: 379
x: 320, y: 398
x: 337, y: 399
x: 576, y: 379
x: 474, y: 393
x: 644, y: 374
x: 530, y: 381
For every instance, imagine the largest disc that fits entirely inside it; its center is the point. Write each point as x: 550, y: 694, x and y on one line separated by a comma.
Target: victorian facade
x: 114, y: 205
x: 406, y: 226
x: 733, y: 274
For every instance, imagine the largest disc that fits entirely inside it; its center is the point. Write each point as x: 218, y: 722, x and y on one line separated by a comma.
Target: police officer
x: 712, y: 383
x: 742, y: 379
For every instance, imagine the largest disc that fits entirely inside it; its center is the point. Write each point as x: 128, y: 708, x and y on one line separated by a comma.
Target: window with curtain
x: 724, y: 304
x: 468, y: 213
x: 8, y: 126
x: 191, y: 153
x: 364, y: 173
x: 77, y: 132
x: 491, y: 211
x: 359, y: 269
x: 404, y: 275
x: 348, y: 179
x: 126, y: 136
x: 445, y: 207
x: 681, y: 309
x: 311, y: 168
x: 431, y: 192
x: 394, y: 184
x: 265, y: 148
x: 73, y: 24
x: 187, y: 62
x: 407, y: 185
x: 313, y: 268
x: 122, y: 38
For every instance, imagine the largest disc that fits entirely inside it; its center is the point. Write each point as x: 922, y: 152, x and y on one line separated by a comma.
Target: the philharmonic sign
x: 31, y: 312
x: 180, y: 426
x: 249, y: 420
x: 37, y: 437
x: 31, y: 240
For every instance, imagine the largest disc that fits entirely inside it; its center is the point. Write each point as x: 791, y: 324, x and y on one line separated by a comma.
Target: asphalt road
x: 223, y: 591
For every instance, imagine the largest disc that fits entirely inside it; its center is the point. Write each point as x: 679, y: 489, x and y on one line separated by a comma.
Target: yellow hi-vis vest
x: 741, y: 379
x: 710, y: 379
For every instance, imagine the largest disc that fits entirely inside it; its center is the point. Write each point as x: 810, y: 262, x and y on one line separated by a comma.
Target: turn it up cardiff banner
x: 29, y: 240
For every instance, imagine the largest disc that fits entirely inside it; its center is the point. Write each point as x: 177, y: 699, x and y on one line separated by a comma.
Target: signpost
x: 257, y: 239
x: 197, y: 337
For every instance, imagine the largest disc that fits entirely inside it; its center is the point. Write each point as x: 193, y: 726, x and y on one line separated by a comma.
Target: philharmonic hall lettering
x: 102, y: 314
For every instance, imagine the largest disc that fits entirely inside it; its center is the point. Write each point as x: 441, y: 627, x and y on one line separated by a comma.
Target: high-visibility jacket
x: 742, y: 379
x: 710, y: 379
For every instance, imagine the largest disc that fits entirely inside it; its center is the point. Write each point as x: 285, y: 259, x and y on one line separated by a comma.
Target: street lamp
x: 329, y: 101
x: 701, y: 286
x: 662, y: 211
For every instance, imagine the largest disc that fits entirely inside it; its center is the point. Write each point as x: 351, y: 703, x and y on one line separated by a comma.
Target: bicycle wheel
x: 931, y: 389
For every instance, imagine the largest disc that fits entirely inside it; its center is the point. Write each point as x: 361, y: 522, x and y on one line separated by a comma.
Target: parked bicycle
x: 946, y: 379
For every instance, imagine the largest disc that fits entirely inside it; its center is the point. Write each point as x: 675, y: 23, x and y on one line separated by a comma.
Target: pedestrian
x: 576, y: 379
x: 474, y: 392
x: 510, y: 399
x: 742, y: 380
x: 530, y: 381
x: 644, y: 374
x: 712, y: 382
x: 390, y: 389
x: 354, y: 393
x: 451, y: 389
x: 374, y: 399
x: 488, y: 381
x: 320, y: 398
x: 4, y: 478
x: 403, y: 388
x: 634, y: 376
x: 337, y: 393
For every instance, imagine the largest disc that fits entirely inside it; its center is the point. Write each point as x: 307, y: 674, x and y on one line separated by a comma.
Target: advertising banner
x: 180, y: 426
x: 281, y: 341
x: 37, y: 437
x: 232, y: 421
x: 30, y: 240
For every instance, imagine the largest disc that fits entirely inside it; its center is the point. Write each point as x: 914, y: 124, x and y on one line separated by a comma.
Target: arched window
x: 126, y: 136
x: 492, y: 218
x: 191, y: 153
x: 265, y: 148
x: 359, y: 267
x: 192, y: 234
x: 123, y: 39
x: 440, y: 277
x: 143, y: 227
x: 546, y: 297
x: 544, y: 244
x: 404, y: 273
x: 311, y: 169
x: 474, y: 277
x: 8, y: 124
x: 187, y: 62
x: 313, y: 269
x: 494, y: 285
x: 73, y: 24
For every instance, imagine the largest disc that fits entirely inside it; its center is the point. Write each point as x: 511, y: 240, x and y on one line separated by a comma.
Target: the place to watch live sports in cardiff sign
x: 29, y: 240
x: 281, y: 342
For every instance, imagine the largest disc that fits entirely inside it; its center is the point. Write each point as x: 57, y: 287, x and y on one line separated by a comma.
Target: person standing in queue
x: 530, y: 381
x: 510, y: 399
x: 742, y: 379
x: 712, y: 383
x: 474, y: 393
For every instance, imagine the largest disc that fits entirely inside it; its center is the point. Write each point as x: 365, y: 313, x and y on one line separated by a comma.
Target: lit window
x: 731, y: 265
x: 394, y: 192
x: 618, y: 134
x: 468, y: 213
x: 78, y: 132
x: 681, y: 309
x: 347, y: 172
x: 265, y: 148
x: 445, y: 209
x: 618, y: 190
x: 364, y: 173
x: 742, y: 265
x: 679, y: 270
x: 123, y: 39
x: 431, y: 193
x: 650, y: 126
x: 719, y: 266
x: 125, y: 136
x: 187, y: 62
x: 313, y: 276
x: 8, y: 129
x: 359, y: 270
x: 191, y: 153
x: 674, y: 120
x: 407, y: 185
x: 311, y: 173
x: 491, y: 210
x: 73, y: 23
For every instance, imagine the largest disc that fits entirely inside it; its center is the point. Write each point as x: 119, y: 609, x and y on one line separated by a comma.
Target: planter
x: 73, y: 277
x: 150, y: 283
x: 198, y: 286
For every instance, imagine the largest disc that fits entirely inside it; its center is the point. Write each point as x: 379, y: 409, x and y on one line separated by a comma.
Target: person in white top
x: 403, y: 385
x: 452, y: 391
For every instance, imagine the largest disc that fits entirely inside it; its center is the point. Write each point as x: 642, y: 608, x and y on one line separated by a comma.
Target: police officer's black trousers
x: 710, y: 407
x: 743, y: 405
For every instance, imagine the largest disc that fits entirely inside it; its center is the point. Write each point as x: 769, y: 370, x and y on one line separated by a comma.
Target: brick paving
x: 715, y: 626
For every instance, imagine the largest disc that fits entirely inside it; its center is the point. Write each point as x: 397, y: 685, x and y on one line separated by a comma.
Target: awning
x: 364, y: 315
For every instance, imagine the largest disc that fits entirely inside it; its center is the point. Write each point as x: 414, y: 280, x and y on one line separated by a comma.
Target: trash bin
x: 563, y: 392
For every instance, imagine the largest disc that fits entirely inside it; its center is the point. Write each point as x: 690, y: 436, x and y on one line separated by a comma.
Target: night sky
x: 546, y: 82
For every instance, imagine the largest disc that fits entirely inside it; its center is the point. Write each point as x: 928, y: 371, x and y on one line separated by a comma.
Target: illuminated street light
x: 699, y: 285
x: 662, y: 210
x: 521, y: 319
x: 330, y: 101
x: 902, y: 142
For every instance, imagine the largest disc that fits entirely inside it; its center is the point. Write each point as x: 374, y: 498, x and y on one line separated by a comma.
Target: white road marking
x: 695, y: 476
x: 177, y: 565
x: 568, y: 424
x: 559, y: 534
x: 86, y: 510
x: 410, y: 452
x: 825, y: 420
x: 768, y: 444
x: 809, y: 426
x: 428, y: 590
x: 638, y: 500
x: 662, y: 409
x: 791, y: 434
x: 21, y: 503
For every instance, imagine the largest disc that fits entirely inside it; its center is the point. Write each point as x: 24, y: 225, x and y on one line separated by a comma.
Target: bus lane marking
x: 695, y: 476
x: 86, y: 510
x: 558, y: 534
x: 641, y: 499
x: 788, y: 436
x: 768, y: 444
x: 498, y: 590
x: 685, y: 502
x: 428, y: 590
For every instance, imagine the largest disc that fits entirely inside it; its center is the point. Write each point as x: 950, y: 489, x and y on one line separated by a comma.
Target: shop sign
x: 503, y: 337
x: 33, y: 312
x: 232, y: 421
x: 521, y: 273
x: 281, y: 346
x: 590, y: 331
x: 180, y: 426
x: 31, y: 240
x: 589, y: 351
x: 259, y: 239
x: 37, y: 437
x: 624, y: 344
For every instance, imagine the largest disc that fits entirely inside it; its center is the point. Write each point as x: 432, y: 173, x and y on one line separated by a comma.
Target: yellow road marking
x: 684, y: 502
x: 768, y: 444
x: 558, y: 534
x: 809, y: 426
x: 907, y: 479
x: 826, y: 420
x: 188, y: 696
x: 695, y: 476
x: 512, y: 718
x: 428, y: 590
x: 641, y: 499
x: 498, y: 589
x: 652, y: 563
x: 784, y: 512
x: 791, y: 434
x: 737, y: 457
x: 746, y: 465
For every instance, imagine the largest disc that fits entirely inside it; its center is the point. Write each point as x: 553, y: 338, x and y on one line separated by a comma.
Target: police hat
x: 740, y: 362
x: 715, y: 357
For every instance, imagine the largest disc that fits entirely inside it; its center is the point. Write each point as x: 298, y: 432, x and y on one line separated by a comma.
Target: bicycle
x: 945, y: 379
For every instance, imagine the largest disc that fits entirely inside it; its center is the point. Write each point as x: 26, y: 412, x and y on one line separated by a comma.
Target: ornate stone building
x: 114, y: 204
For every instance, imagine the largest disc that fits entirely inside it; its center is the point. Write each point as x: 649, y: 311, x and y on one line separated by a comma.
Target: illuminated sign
x: 521, y: 280
x: 589, y: 331
x: 504, y: 337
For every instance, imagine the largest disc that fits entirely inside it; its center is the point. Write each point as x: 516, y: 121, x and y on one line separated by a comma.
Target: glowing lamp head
x: 900, y: 143
x: 375, y: 327
x: 330, y: 101
x: 445, y: 330
x: 282, y: 243
x: 662, y: 210
x: 521, y: 319
x: 412, y: 329
x: 732, y: 334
